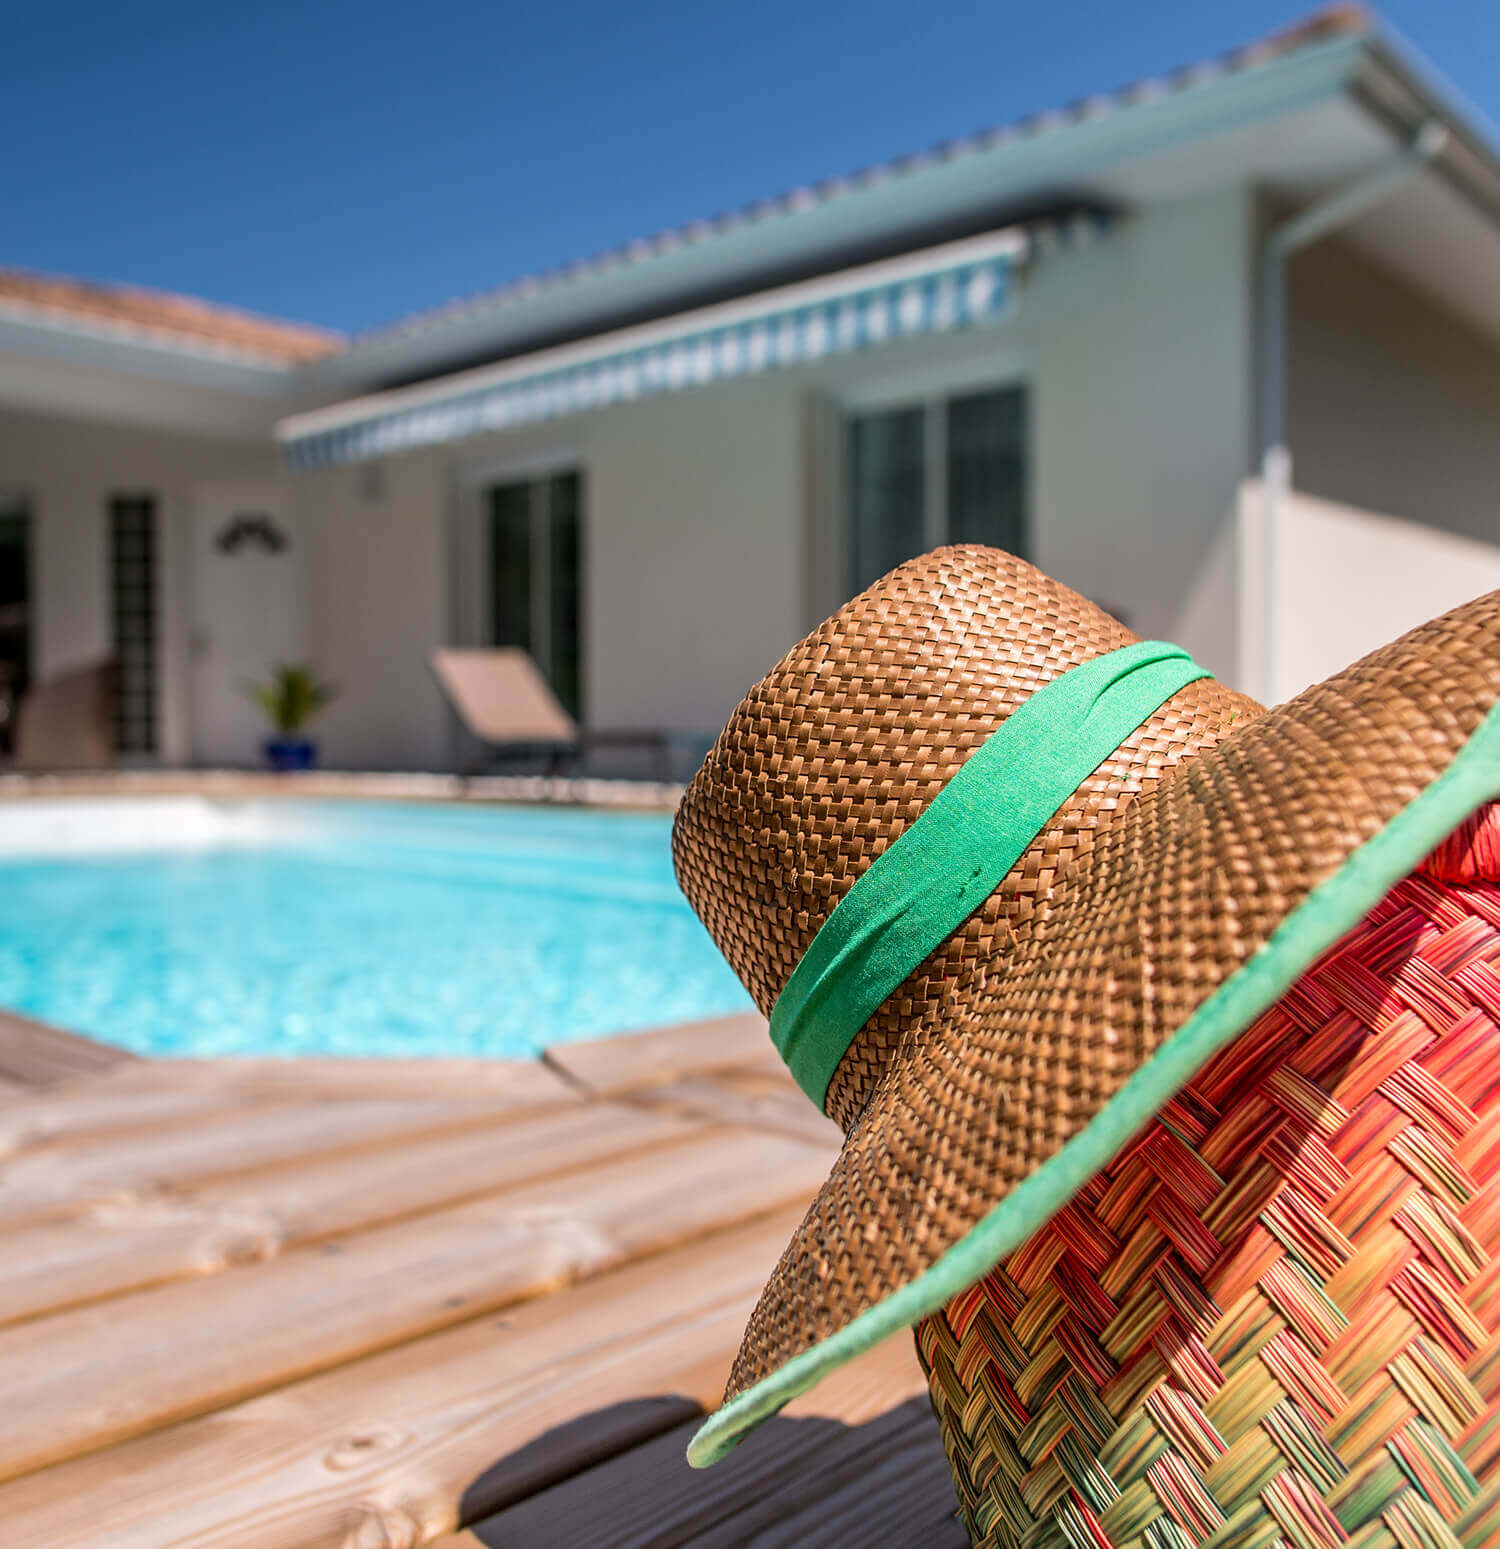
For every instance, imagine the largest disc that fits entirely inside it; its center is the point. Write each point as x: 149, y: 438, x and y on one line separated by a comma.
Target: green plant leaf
x: 292, y: 696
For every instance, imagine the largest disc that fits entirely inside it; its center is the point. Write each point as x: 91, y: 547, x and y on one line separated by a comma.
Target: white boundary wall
x: 1346, y: 582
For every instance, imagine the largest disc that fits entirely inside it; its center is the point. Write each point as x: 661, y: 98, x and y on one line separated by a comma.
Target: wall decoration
x: 251, y: 527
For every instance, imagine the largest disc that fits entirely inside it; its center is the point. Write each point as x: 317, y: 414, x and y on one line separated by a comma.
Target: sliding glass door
x: 536, y: 558
x: 985, y: 461
x: 946, y: 470
x: 887, y: 485
x: 15, y: 613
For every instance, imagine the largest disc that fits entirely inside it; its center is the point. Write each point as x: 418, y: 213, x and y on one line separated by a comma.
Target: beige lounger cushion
x: 501, y: 696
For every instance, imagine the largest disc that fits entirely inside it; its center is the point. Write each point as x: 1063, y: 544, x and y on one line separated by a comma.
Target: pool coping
x: 36, y: 1054
x: 244, y: 784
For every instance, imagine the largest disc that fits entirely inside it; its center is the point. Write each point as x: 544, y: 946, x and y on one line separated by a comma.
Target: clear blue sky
x: 348, y: 164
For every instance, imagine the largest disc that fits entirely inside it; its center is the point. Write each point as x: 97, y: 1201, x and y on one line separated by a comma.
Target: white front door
x: 247, y: 613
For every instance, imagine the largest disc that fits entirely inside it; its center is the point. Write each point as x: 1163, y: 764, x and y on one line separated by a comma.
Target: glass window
x: 987, y: 469
x: 888, y: 491
x: 536, y: 577
x: 565, y: 602
x: 15, y: 614
x: 900, y: 506
x: 132, y: 549
x: 510, y: 565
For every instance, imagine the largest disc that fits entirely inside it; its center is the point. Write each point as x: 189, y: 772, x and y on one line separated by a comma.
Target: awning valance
x: 958, y: 285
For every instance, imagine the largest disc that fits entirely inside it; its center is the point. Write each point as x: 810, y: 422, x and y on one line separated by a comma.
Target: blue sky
x: 348, y: 164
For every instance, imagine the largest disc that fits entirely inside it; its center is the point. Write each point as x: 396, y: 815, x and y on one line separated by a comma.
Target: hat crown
x: 849, y: 738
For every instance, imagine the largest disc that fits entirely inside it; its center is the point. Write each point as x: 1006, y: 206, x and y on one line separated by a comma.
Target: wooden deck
x: 382, y: 1304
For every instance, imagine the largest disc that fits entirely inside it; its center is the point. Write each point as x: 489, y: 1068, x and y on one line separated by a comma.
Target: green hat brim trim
x: 1331, y: 909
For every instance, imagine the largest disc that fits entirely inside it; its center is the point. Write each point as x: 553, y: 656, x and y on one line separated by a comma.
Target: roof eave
x: 1055, y: 153
x: 52, y: 333
x: 1393, y: 83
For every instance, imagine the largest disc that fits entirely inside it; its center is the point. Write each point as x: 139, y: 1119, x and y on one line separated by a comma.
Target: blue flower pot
x: 285, y: 754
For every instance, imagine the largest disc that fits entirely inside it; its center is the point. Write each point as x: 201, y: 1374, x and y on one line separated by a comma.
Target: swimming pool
x: 179, y: 925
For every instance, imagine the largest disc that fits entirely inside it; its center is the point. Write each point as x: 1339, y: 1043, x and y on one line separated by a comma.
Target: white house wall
x: 698, y: 527
x: 67, y: 470
x: 1137, y: 354
x: 697, y: 585
x: 693, y: 566
x: 1346, y: 582
x: 375, y: 585
x: 1392, y: 403
x: 1143, y: 420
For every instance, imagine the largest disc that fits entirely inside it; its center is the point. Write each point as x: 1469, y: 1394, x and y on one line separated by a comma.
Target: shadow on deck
x: 796, y: 1482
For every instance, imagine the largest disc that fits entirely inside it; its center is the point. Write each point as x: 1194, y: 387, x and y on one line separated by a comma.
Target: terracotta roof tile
x: 182, y: 318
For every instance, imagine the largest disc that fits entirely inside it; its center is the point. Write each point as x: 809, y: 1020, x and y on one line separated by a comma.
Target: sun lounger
x: 67, y: 722
x: 505, y: 703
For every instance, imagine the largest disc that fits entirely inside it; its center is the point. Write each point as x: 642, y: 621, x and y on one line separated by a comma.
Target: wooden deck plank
x: 613, y: 1065
x: 377, y: 1363
x: 97, y: 1108
x: 381, y: 1451
x: 100, y: 1373
x: 148, y: 1093
x: 35, y: 1053
x: 522, y: 1082
x: 867, y: 1418
x: 78, y: 1172
x: 125, y: 1245
x: 761, y: 1099
x: 347, y: 1191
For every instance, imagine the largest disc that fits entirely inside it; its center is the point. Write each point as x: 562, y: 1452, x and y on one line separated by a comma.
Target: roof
x: 1254, y: 114
x: 1333, y: 21
x: 139, y: 313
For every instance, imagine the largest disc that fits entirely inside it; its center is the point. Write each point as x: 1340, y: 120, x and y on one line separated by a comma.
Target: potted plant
x: 290, y: 698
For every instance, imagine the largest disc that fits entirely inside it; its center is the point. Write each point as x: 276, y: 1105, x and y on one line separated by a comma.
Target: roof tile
x: 182, y: 318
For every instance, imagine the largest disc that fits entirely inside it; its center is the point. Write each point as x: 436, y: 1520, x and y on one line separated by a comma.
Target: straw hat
x: 1028, y: 959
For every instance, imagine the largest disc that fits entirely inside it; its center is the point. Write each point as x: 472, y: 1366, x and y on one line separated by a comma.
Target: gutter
x: 1397, y: 86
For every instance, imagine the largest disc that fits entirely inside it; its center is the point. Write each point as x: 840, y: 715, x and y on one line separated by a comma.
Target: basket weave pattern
x: 1275, y: 1318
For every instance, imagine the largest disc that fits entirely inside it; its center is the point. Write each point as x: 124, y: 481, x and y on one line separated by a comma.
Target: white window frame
x: 469, y: 544
x: 928, y: 390
x: 937, y: 380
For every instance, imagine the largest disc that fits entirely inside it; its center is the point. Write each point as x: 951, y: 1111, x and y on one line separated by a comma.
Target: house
x: 1084, y: 336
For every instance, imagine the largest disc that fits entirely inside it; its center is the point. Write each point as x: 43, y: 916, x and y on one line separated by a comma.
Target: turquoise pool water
x: 287, y: 928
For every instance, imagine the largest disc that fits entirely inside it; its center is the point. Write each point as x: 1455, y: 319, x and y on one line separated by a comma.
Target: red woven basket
x: 1275, y: 1317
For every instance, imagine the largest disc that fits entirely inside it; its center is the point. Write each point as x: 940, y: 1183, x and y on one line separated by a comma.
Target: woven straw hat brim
x: 1193, y: 911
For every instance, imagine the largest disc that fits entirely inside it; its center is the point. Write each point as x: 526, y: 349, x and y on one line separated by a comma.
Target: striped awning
x: 942, y: 289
